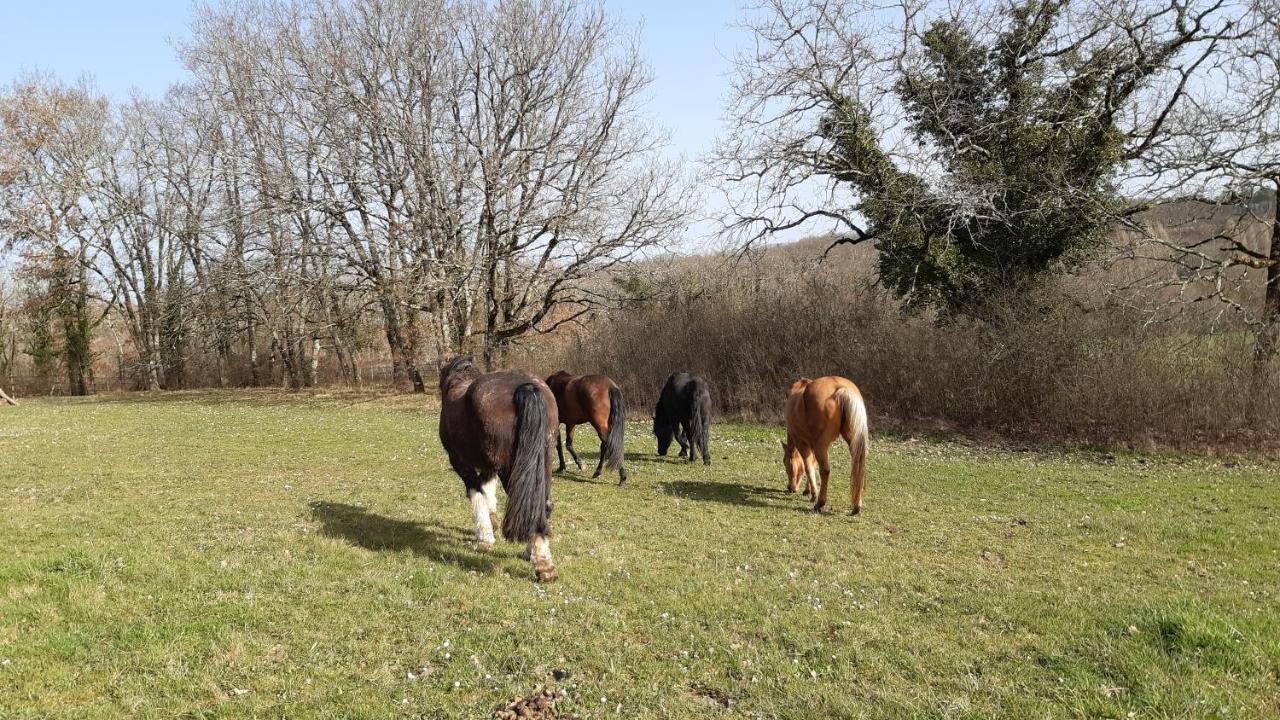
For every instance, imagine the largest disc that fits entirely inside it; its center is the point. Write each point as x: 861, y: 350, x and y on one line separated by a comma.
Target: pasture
x: 254, y: 554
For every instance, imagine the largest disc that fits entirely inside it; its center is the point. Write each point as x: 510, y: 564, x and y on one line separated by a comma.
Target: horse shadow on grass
x: 380, y: 533
x: 729, y: 493
x: 610, y: 477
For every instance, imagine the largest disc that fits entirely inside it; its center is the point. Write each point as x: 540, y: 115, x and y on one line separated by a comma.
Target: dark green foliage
x: 41, y: 346
x: 68, y: 287
x: 1026, y: 140
x: 58, y: 326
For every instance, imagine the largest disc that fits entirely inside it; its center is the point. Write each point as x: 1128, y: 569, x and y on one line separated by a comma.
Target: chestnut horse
x: 597, y: 400
x: 498, y: 426
x: 819, y: 411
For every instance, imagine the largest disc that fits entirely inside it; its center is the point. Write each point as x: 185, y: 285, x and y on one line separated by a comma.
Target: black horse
x: 684, y: 412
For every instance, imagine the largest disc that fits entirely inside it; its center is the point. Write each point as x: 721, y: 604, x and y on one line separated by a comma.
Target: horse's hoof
x: 855, y: 511
x: 596, y: 475
x: 560, y: 469
x: 546, y: 573
x: 817, y: 510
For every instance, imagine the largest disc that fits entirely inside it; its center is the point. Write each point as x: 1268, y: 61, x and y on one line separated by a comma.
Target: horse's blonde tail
x: 855, y: 431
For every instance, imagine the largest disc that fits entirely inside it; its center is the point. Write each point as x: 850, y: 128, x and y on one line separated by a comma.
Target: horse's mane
x: 462, y: 367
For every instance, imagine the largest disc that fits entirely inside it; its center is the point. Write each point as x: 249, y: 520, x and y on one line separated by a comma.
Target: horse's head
x: 664, y: 430
x: 793, y: 464
x: 459, y: 368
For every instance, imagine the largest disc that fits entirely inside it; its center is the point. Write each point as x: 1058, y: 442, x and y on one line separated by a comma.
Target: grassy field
x: 259, y: 555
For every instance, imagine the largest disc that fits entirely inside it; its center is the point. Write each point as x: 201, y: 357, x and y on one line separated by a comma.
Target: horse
x: 593, y: 399
x: 499, y: 426
x: 684, y: 412
x: 817, y: 412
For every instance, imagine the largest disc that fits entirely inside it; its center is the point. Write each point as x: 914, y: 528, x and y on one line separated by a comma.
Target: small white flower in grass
x: 665, y: 616
x: 457, y: 684
x: 603, y: 700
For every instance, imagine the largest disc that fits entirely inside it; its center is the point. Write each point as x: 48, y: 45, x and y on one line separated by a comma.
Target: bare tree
x: 568, y: 185
x: 473, y: 166
x: 52, y: 135
x: 1211, y: 233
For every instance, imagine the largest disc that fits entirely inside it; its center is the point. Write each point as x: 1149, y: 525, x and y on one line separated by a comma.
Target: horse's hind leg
x: 568, y: 442
x: 491, y: 496
x: 685, y: 438
x: 544, y: 567
x: 559, y: 450
x: 602, y: 432
x: 479, y: 494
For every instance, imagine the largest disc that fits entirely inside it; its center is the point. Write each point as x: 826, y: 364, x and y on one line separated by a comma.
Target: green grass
x: 261, y: 555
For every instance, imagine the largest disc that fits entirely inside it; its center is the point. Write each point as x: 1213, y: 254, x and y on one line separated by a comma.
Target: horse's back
x: 814, y: 411
x: 684, y: 391
x: 580, y: 397
x: 483, y: 429
x: 492, y: 396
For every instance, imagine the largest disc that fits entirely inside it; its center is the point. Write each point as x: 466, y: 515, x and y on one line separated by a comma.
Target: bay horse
x: 593, y: 399
x: 819, y: 411
x: 684, y: 412
x: 499, y: 426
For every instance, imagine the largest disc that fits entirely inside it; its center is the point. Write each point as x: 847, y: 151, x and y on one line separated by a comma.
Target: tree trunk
x: 1268, y: 341
x: 402, y: 350
x: 252, y: 337
x: 314, y: 376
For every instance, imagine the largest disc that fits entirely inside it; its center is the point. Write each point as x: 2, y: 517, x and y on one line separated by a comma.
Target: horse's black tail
x: 529, y: 486
x: 700, y: 421
x: 611, y: 450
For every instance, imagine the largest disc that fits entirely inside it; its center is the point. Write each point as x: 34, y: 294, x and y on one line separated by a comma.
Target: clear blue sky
x: 128, y: 45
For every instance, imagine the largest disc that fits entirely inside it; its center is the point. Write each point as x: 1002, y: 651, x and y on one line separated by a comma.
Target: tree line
x: 462, y: 172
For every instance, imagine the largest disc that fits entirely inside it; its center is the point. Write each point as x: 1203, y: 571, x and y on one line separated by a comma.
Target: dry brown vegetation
x: 1074, y: 361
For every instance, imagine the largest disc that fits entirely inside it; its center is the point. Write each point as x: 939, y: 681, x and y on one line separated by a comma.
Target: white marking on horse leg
x: 484, y: 526
x: 490, y: 495
x: 540, y: 554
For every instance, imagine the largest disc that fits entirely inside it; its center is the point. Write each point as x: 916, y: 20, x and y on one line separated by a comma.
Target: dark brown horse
x: 499, y: 426
x: 597, y: 400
